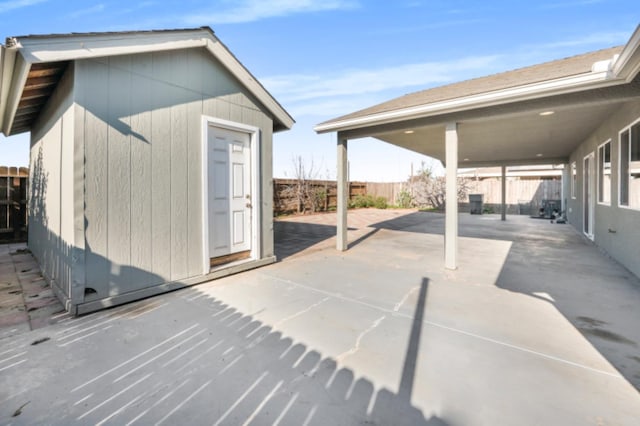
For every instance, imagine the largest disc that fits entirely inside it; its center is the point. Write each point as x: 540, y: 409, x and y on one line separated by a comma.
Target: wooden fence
x: 286, y: 199
x: 388, y: 190
x: 13, y: 203
x: 524, y: 195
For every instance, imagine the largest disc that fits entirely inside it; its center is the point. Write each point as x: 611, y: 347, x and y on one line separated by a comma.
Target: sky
x: 325, y: 58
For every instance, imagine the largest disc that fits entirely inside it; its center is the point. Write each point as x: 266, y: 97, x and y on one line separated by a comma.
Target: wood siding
x: 142, y: 144
x: 51, y: 206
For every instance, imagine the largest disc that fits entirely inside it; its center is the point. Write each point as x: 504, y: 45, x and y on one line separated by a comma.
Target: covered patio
x: 535, y: 115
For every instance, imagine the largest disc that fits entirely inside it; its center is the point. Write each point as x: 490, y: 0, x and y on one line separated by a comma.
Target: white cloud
x: 596, y: 39
x: 570, y: 4
x: 7, y: 6
x: 254, y: 10
x: 331, y: 94
x: 88, y: 11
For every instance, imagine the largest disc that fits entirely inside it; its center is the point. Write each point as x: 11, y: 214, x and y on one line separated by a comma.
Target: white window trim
x: 256, y: 170
x: 624, y: 129
x: 592, y: 211
x: 603, y: 203
x: 574, y: 179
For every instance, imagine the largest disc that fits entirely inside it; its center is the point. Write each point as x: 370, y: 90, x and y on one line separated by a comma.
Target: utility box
x: 475, y: 203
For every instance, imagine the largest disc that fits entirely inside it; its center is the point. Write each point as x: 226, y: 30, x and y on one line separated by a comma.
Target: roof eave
x: 580, y: 82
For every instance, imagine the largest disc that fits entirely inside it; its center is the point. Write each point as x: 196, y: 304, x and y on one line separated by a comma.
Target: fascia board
x: 516, y: 94
x: 627, y: 65
x: 218, y: 50
x: 95, y: 46
x: 16, y: 83
x: 7, y: 60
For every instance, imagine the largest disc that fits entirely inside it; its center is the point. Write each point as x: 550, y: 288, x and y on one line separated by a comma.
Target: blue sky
x: 325, y: 58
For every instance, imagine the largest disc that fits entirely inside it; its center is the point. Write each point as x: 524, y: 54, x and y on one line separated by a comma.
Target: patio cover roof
x: 31, y: 66
x: 498, y: 116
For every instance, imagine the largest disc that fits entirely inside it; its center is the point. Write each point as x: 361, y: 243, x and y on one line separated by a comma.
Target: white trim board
x: 256, y: 215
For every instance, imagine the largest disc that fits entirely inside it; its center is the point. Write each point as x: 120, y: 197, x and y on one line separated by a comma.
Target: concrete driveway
x: 536, y: 327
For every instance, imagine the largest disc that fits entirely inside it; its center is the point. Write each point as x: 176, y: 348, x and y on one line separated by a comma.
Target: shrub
x: 364, y: 201
x: 380, y: 203
x: 404, y: 199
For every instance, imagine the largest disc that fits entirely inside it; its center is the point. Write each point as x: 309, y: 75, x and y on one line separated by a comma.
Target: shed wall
x: 622, y: 241
x: 51, y: 204
x: 142, y: 140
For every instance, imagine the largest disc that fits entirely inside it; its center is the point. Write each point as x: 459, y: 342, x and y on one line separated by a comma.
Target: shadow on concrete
x: 598, y: 296
x: 411, y: 358
x: 234, y: 370
x: 554, y: 263
x: 291, y: 238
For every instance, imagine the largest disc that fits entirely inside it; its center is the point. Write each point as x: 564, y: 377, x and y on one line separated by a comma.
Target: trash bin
x: 475, y: 203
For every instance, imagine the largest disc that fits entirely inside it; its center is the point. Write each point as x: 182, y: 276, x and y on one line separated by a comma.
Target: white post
x: 451, y: 205
x: 564, y: 188
x: 503, y: 181
x: 343, y: 194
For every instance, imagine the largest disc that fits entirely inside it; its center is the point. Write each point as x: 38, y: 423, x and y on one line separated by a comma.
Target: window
x: 630, y: 166
x: 604, y: 173
x: 574, y: 180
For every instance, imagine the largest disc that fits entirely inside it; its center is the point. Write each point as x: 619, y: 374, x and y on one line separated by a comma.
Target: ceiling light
x: 544, y: 113
x: 538, y: 155
x: 408, y: 132
x: 466, y: 159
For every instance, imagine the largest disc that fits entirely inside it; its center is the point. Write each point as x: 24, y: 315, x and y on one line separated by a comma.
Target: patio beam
x: 503, y: 183
x: 451, y: 201
x: 343, y: 194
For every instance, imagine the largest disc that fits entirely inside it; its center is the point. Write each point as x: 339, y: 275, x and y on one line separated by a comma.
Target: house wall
x: 141, y: 135
x: 622, y: 242
x: 51, y: 225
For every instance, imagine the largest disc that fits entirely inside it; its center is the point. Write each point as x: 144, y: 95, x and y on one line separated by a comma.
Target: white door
x: 589, y: 185
x: 229, y: 182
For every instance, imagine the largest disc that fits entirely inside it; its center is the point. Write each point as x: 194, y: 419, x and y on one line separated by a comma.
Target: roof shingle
x: 561, y: 68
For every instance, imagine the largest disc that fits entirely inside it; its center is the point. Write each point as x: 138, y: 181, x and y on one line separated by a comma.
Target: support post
x: 343, y: 194
x: 565, y: 188
x: 451, y: 204
x: 503, y: 182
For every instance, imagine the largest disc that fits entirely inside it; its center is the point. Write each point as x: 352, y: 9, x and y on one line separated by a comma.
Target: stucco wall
x: 623, y: 241
x: 51, y: 225
x: 141, y: 136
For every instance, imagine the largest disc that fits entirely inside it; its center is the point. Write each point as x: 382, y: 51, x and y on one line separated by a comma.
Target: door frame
x: 589, y: 202
x: 256, y: 201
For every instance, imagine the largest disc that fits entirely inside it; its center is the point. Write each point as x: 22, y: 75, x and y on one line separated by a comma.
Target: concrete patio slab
x: 380, y: 334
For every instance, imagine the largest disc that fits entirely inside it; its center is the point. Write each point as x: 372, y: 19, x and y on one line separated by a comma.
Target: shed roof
x: 31, y: 66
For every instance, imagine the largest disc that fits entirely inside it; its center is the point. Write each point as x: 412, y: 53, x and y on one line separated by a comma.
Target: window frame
x: 600, y: 172
x: 574, y: 179
x: 620, y: 168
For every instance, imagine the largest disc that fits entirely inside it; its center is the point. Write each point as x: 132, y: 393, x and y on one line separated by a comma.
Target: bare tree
x: 429, y: 191
x: 307, y: 195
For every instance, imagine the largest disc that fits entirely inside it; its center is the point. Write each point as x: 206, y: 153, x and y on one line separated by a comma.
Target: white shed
x: 150, y: 163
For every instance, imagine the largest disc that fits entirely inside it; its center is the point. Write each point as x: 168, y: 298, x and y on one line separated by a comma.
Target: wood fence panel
x: 388, y: 190
x: 14, y: 183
